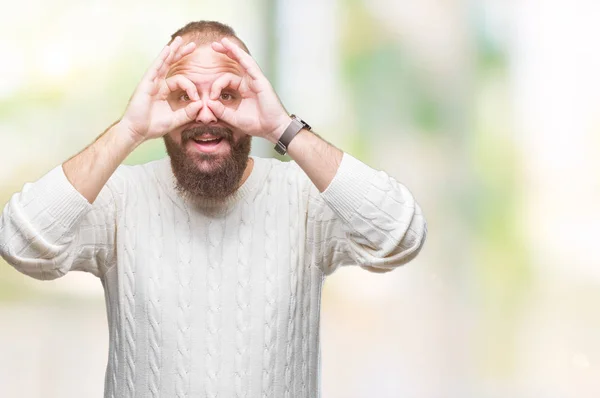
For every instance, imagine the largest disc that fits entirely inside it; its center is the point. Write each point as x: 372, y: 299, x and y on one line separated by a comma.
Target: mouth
x: 208, y: 144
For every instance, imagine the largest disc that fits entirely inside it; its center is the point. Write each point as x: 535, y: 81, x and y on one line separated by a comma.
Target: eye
x: 184, y: 97
x: 226, y: 97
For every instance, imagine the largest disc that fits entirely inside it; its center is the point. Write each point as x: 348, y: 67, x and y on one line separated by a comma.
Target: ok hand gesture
x: 259, y: 111
x: 149, y: 114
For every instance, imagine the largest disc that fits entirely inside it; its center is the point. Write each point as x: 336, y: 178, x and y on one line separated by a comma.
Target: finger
x: 222, y: 112
x: 184, y: 50
x: 152, y: 71
x: 187, y: 114
x: 217, y: 46
x: 179, y: 82
x: 223, y: 82
x: 236, y: 53
x: 173, y: 48
x: 181, y: 52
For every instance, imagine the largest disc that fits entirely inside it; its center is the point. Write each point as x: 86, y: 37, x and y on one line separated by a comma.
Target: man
x: 212, y: 261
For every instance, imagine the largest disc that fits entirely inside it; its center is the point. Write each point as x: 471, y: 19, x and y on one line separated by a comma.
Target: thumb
x: 187, y: 114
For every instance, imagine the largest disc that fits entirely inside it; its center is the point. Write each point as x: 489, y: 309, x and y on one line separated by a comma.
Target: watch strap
x: 290, y: 132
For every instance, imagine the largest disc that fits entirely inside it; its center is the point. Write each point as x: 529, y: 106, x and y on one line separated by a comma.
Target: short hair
x: 205, y: 32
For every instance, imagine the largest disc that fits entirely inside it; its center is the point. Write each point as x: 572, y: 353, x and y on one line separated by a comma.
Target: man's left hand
x: 257, y: 111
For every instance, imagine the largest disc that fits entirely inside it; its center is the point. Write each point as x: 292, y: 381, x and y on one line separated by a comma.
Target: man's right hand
x: 148, y: 114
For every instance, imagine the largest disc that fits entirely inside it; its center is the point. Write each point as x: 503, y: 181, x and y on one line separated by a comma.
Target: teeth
x: 207, y: 139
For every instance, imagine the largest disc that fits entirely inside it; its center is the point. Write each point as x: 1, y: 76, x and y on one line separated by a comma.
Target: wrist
x: 292, y: 130
x: 127, y: 136
x: 281, y: 126
x: 124, y: 131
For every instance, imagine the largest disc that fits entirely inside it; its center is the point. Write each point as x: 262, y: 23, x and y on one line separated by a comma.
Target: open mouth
x: 207, y: 144
x: 207, y: 141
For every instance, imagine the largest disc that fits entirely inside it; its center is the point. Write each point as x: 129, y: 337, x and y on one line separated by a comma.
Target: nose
x: 206, y: 116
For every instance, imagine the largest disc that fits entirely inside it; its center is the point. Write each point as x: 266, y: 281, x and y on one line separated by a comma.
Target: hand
x: 148, y: 114
x: 259, y: 112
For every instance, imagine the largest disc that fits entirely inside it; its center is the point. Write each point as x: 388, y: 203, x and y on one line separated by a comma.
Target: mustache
x: 199, y: 131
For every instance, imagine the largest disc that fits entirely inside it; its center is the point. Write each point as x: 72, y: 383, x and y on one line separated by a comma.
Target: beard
x: 224, y: 173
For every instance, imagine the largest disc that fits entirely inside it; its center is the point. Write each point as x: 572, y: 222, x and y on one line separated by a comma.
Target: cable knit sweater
x: 213, y: 299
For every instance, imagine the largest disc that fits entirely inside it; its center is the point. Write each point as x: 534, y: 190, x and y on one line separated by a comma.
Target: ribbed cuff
x: 62, y: 201
x: 348, y: 189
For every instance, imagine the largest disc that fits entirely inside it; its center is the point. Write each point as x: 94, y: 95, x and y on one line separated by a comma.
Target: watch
x: 290, y: 132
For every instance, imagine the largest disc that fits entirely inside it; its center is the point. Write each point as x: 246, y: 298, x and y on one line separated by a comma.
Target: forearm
x: 382, y: 223
x: 319, y: 159
x: 39, y: 226
x: 89, y: 170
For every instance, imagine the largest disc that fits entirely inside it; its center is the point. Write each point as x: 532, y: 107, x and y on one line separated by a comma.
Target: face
x: 208, y: 156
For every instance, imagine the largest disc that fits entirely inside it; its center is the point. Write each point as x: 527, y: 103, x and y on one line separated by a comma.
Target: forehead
x: 204, y: 64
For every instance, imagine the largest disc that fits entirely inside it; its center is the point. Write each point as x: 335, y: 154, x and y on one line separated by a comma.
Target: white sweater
x: 213, y: 300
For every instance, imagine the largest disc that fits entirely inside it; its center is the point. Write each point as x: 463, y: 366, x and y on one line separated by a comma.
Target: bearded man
x: 212, y: 260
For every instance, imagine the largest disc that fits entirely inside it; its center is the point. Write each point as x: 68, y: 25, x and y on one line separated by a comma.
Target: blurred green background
x: 488, y: 110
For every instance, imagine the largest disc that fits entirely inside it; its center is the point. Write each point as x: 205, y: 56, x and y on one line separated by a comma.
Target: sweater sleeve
x: 365, y: 218
x: 49, y: 229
